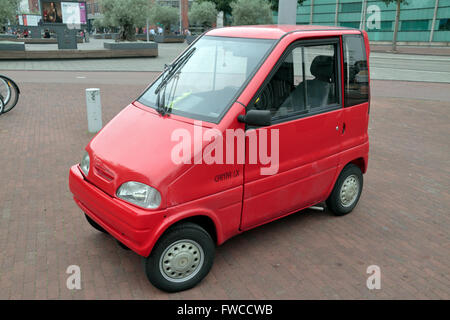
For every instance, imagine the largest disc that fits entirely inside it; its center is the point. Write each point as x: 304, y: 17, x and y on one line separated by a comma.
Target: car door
x: 356, y: 99
x: 298, y: 165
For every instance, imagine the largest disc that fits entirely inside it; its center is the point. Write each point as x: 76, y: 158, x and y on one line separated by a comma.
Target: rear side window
x: 356, y: 73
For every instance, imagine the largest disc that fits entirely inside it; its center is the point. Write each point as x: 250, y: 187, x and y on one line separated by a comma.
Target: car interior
x: 283, y: 97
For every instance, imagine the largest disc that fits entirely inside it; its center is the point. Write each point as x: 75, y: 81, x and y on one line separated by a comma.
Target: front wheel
x: 94, y: 224
x: 181, y: 258
x: 346, y: 191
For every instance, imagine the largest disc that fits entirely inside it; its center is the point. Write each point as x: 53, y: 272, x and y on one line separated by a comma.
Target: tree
x: 102, y: 24
x: 164, y: 15
x: 8, y: 11
x: 221, y: 5
x: 203, y: 13
x: 249, y: 12
x: 274, y: 4
x: 126, y: 14
x: 397, y: 19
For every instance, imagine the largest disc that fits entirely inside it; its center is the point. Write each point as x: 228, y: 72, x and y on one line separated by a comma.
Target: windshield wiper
x: 169, y: 72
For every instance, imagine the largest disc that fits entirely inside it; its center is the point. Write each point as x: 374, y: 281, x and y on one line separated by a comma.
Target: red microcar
x: 247, y: 125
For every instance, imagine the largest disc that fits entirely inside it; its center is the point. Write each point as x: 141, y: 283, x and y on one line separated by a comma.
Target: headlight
x: 139, y: 194
x: 84, y: 165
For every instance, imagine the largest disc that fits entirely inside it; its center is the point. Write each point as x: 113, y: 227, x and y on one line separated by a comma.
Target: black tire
x: 184, y: 233
x: 122, y: 245
x: 14, y: 91
x: 94, y: 224
x: 335, y: 202
x: 1, y: 105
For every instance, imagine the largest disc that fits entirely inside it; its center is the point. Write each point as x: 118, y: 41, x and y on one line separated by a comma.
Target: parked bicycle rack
x: 9, y: 94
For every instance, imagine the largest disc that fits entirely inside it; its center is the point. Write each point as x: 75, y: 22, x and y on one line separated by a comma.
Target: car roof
x: 270, y: 31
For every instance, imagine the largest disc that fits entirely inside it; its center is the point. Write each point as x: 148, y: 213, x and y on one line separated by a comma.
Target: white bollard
x: 94, y: 110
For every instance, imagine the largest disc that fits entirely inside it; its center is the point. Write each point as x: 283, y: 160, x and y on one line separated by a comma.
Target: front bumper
x: 134, y: 227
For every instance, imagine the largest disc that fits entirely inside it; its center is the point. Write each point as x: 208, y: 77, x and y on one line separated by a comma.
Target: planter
x: 169, y: 39
x: 105, y: 36
x: 143, y: 37
x: 125, y: 45
x: 7, y: 37
x: 12, y: 46
x: 190, y: 39
x: 148, y: 49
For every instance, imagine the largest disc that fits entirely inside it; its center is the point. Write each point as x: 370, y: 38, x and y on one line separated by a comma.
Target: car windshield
x: 208, y: 80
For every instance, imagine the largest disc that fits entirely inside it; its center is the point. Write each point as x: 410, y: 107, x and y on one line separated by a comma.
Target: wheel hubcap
x: 349, y: 190
x: 181, y: 261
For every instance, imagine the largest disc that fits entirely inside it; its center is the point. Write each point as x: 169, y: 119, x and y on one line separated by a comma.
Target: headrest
x: 322, y: 67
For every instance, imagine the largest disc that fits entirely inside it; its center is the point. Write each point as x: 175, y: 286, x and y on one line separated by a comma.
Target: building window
x: 350, y: 24
x: 414, y: 25
x: 386, y: 25
x: 444, y: 24
x: 351, y: 7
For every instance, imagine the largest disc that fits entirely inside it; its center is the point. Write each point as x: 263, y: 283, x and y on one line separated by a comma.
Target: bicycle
x: 9, y: 94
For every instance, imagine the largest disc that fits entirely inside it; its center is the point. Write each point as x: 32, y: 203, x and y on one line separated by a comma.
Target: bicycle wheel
x: 9, y: 92
x: 5, y: 90
x: 1, y: 105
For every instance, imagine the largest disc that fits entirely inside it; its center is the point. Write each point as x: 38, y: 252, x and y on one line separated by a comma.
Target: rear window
x: 356, y: 73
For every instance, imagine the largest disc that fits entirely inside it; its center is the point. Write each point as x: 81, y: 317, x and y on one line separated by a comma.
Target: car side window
x: 356, y: 73
x: 305, y: 82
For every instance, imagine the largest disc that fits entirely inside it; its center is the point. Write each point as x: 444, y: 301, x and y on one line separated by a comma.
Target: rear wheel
x: 346, y: 191
x: 181, y: 258
x: 94, y: 224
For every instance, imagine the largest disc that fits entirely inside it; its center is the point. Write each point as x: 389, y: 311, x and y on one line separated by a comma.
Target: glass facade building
x: 420, y: 20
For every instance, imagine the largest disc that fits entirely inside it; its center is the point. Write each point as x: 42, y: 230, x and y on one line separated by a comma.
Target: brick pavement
x: 400, y: 224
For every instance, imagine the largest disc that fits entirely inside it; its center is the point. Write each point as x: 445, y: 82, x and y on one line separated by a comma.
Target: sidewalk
x: 422, y: 50
x: 402, y: 66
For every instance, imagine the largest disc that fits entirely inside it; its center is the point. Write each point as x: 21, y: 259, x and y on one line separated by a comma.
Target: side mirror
x: 257, y: 118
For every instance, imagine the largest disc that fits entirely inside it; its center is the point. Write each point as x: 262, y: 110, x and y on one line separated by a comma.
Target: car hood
x: 136, y: 146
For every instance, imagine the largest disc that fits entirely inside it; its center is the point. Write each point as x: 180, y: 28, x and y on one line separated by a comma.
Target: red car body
x: 226, y: 199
